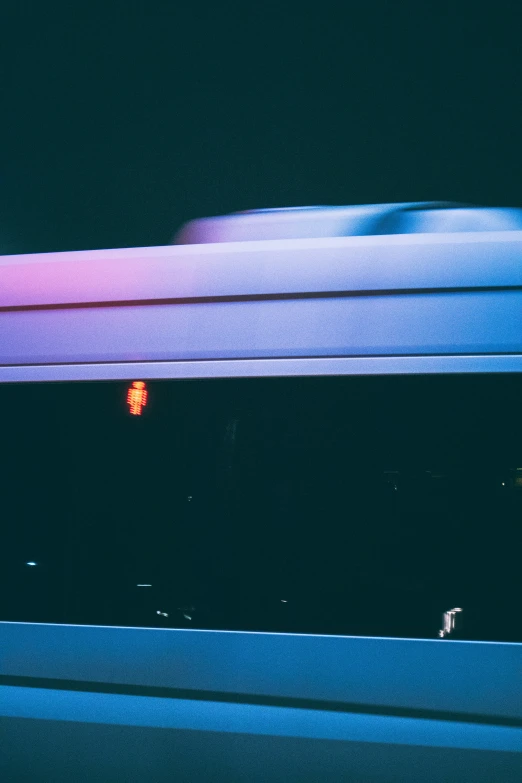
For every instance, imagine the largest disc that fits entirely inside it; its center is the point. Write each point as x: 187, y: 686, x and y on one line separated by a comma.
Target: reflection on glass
x: 451, y: 622
x: 137, y: 397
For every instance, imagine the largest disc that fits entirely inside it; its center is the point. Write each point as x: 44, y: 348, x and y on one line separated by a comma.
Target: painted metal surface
x: 258, y: 268
x: 465, y: 323
x: 249, y: 368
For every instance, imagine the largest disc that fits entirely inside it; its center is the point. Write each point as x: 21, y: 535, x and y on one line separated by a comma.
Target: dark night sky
x: 121, y: 120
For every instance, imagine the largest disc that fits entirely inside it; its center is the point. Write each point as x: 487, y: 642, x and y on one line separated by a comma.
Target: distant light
x: 449, y: 621
x: 187, y: 616
x: 143, y: 585
x: 503, y: 483
x: 137, y: 397
x: 163, y: 614
x: 31, y: 563
x: 284, y: 601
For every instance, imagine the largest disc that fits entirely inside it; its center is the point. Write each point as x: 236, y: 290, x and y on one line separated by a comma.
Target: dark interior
x: 332, y: 505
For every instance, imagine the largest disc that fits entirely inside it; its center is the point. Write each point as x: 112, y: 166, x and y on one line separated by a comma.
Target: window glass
x: 342, y: 505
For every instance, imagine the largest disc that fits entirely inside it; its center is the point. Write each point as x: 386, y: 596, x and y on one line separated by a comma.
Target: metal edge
x: 280, y: 367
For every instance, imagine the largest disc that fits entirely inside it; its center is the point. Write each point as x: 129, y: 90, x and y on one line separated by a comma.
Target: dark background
x: 122, y: 120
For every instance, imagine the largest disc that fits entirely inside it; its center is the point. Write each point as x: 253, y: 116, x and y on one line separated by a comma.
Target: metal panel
x: 246, y: 368
x: 487, y: 322
x: 112, y: 749
x: 374, y: 263
x: 477, y: 679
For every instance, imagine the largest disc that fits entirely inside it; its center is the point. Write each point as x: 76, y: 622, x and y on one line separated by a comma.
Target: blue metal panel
x: 250, y: 368
x: 253, y: 719
x: 70, y: 733
x: 487, y: 322
x: 64, y: 750
x: 476, y: 678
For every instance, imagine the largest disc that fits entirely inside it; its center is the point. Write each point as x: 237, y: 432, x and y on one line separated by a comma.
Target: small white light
x: 143, y: 585
x: 31, y: 563
x: 284, y: 601
x: 163, y: 614
x: 503, y: 484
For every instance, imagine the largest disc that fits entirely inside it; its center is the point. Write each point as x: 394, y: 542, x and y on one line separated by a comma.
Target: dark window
x: 347, y: 505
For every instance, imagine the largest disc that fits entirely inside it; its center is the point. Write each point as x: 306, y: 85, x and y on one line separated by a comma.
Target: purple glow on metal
x: 359, y: 263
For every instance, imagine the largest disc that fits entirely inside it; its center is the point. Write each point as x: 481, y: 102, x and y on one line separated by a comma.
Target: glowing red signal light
x: 137, y: 397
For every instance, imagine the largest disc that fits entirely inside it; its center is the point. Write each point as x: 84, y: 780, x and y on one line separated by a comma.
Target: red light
x: 137, y: 397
